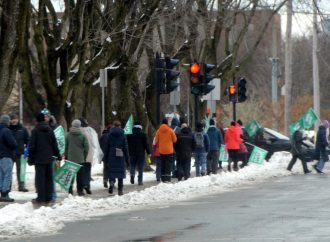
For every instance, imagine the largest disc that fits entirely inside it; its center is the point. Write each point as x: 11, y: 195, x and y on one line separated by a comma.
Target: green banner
x: 60, y: 137
x: 66, y: 174
x: 296, y: 126
x: 252, y: 128
x: 129, y: 125
x: 223, y: 154
x: 309, y: 118
x: 22, y: 174
x: 258, y: 155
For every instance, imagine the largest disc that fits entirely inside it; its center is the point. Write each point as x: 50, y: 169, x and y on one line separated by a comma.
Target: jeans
x: 320, y: 164
x: 200, y: 163
x: 166, y: 162
x: 6, y: 167
x: 158, y: 167
x: 139, y: 162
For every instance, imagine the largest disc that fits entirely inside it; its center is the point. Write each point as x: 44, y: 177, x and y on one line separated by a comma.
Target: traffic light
x: 207, y: 78
x: 160, y: 75
x: 196, y: 83
x: 241, y: 90
x: 232, y: 93
x: 171, y: 75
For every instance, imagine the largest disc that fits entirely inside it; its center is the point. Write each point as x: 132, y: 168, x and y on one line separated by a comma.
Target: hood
x: 15, y: 127
x: 43, y: 127
x: 136, y: 130
x: 75, y: 131
x: 232, y: 129
x: 164, y: 128
x: 186, y: 130
x: 116, y: 132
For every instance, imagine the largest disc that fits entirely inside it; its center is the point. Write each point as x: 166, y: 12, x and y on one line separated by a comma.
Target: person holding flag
x: 322, y: 142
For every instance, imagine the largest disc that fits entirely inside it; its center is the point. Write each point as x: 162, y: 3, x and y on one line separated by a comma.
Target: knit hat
x: 13, y: 116
x: 45, y: 111
x: 40, y: 117
x: 326, y: 123
x: 76, y: 123
x: 5, y: 119
x: 84, y: 122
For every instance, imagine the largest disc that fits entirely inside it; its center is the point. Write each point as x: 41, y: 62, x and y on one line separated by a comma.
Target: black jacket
x: 185, y: 144
x: 8, y: 143
x: 321, y: 144
x: 296, y: 143
x: 43, y: 145
x: 138, y: 143
x: 21, y: 136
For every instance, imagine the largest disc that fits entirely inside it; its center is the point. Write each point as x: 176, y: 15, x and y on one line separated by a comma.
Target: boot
x: 88, y: 190
x: 71, y: 190
x: 120, y: 191
x: 21, y: 187
x: 111, y: 187
x: 132, y: 179
x: 5, y: 197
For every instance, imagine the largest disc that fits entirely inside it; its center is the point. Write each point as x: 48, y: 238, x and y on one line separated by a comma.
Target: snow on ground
x: 22, y: 220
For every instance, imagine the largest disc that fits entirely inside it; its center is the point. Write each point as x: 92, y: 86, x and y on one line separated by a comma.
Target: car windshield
x: 277, y: 134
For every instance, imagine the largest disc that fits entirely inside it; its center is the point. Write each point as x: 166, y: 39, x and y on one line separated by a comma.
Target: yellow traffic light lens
x: 232, y: 90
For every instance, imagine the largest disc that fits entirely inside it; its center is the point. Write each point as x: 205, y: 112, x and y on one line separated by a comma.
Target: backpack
x: 199, y: 139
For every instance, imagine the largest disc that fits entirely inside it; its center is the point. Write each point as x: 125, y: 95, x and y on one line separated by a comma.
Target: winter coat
x: 206, y: 147
x: 95, y: 153
x: 8, y: 143
x: 232, y: 138
x: 103, y: 140
x: 116, y: 162
x: 185, y: 144
x: 43, y: 145
x: 76, y: 148
x: 21, y: 136
x: 138, y: 143
x: 297, y: 142
x: 215, y: 138
x: 321, y: 144
x: 165, y: 138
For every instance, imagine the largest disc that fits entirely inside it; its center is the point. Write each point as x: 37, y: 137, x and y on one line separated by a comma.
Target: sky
x: 21, y: 220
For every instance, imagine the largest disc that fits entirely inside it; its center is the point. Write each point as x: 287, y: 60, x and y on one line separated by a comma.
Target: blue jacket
x: 8, y: 143
x: 215, y: 137
x: 206, y: 147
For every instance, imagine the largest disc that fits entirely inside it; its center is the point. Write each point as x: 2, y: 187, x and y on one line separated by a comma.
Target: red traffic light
x: 232, y: 89
x: 195, y: 68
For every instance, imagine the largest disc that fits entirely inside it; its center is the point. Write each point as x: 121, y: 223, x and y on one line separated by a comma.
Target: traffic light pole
x: 196, y: 109
x: 157, y: 85
x: 234, y: 111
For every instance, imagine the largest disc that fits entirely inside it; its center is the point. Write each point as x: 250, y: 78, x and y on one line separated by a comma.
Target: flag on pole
x: 309, y: 118
x: 296, y: 126
x: 60, y: 137
x: 223, y: 154
x: 22, y: 173
x: 129, y: 125
x: 66, y: 174
x: 258, y: 155
x: 252, y: 128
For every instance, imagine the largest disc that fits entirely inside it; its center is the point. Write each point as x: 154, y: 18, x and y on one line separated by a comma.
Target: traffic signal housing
x: 196, y: 82
x: 232, y: 93
x: 241, y: 90
x: 160, y: 75
x: 171, y: 82
x: 207, y: 78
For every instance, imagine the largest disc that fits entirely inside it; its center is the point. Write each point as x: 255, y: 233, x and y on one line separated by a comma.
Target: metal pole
x: 196, y: 109
x: 157, y: 89
x: 234, y: 111
x: 20, y: 98
x: 316, y: 79
x: 103, y: 109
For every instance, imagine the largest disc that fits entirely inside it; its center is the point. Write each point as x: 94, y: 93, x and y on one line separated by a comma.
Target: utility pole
x: 288, y: 68
x: 274, y: 60
x: 316, y: 80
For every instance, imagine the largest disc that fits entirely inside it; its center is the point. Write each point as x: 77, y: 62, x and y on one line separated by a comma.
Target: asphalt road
x: 293, y: 208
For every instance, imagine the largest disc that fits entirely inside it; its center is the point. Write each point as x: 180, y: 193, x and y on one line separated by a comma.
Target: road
x: 293, y: 208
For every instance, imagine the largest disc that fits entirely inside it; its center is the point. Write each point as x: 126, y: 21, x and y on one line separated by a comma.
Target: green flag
x: 296, y: 126
x: 308, y: 119
x: 258, y: 155
x: 60, y: 137
x: 66, y: 174
x: 223, y: 154
x: 22, y: 173
x: 129, y: 125
x: 252, y: 128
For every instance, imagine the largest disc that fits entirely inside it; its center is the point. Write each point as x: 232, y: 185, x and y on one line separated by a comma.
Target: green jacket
x: 76, y: 148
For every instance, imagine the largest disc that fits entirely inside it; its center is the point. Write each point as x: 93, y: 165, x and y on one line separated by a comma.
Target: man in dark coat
x: 22, y: 138
x: 8, y: 146
x: 296, y: 151
x: 138, y: 145
x: 42, y: 149
x: 184, y: 147
x: 117, y: 157
x: 321, y: 153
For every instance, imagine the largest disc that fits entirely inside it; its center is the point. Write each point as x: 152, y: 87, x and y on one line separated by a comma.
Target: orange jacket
x: 165, y: 137
x: 232, y: 138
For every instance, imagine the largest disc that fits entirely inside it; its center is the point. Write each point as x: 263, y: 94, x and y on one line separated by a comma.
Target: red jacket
x: 232, y: 138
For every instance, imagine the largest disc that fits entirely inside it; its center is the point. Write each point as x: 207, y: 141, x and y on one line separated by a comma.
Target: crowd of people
x: 174, y: 144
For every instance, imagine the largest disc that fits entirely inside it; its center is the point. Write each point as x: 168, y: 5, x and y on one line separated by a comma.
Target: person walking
x: 117, y: 157
x: 296, y: 151
x: 216, y: 140
x: 184, y: 146
x: 42, y: 150
x: 243, y: 151
x: 138, y: 145
x: 202, y: 145
x: 103, y: 144
x: 76, y: 151
x: 95, y: 153
x: 322, y: 142
x: 165, y: 138
x: 8, y: 145
x: 22, y: 138
x: 232, y: 141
